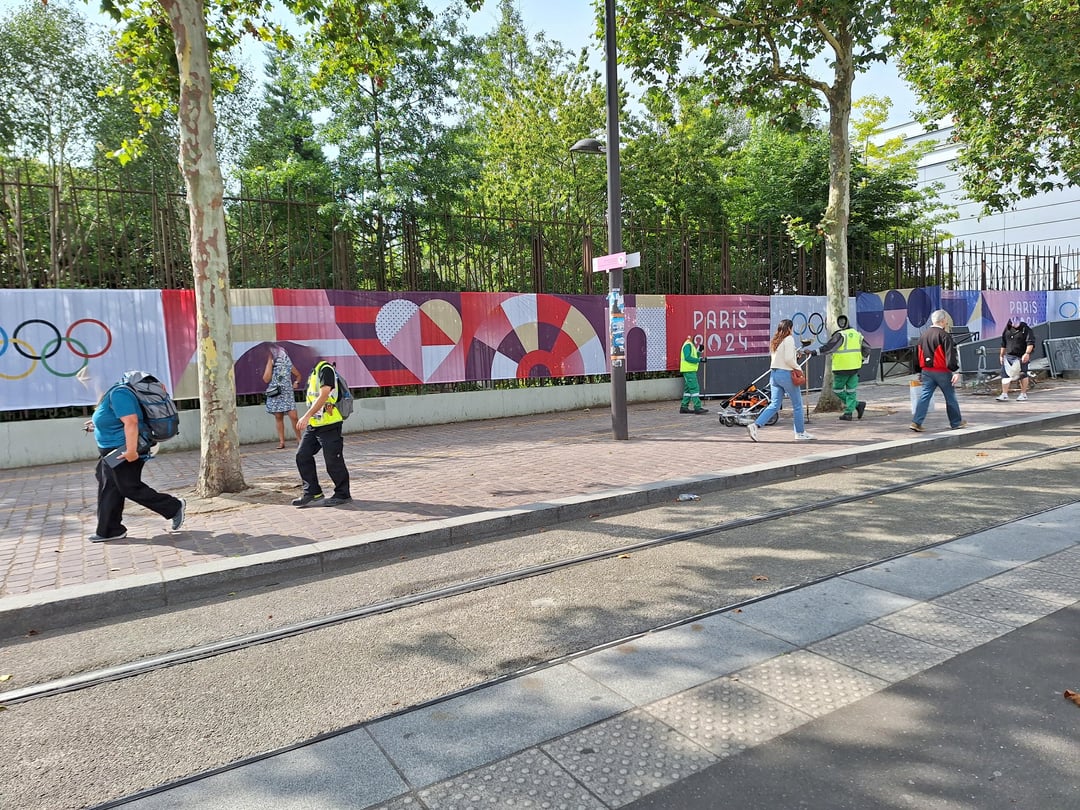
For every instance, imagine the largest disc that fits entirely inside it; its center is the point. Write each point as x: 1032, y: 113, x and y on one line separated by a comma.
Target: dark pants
x: 125, y: 481
x: 328, y: 439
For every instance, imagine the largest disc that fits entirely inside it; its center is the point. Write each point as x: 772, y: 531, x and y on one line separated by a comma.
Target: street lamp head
x: 589, y: 146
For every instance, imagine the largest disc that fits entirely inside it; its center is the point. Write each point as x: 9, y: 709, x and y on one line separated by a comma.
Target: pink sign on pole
x: 602, y: 264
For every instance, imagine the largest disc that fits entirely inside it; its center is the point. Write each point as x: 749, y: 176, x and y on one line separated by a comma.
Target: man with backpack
x: 321, y: 427
x: 124, y: 439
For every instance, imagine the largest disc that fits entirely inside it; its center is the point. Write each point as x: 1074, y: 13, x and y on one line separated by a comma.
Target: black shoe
x: 859, y: 408
x: 700, y: 411
x: 685, y: 410
x: 336, y: 501
x: 845, y: 417
x: 308, y: 500
x: 97, y: 538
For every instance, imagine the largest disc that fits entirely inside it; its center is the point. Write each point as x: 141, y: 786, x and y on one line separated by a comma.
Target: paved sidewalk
x: 931, y: 681
x: 424, y: 487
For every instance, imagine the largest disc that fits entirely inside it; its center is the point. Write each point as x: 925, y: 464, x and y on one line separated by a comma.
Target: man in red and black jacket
x: 939, y: 365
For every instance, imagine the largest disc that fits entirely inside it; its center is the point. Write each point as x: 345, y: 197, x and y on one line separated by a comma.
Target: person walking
x: 690, y: 358
x: 848, y: 350
x: 784, y: 360
x: 939, y: 365
x: 1017, y: 348
x: 118, y: 424
x: 282, y: 377
x: 321, y: 427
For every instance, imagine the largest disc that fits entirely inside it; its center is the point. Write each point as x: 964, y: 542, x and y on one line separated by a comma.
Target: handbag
x: 273, y: 390
x: 798, y: 376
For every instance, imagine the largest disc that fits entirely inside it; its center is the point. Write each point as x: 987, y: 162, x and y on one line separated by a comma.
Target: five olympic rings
x: 814, y: 323
x: 51, y: 347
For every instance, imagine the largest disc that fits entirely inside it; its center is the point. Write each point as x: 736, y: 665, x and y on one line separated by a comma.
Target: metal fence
x: 82, y: 230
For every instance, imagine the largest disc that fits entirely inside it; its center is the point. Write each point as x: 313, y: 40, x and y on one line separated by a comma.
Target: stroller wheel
x: 772, y: 419
x: 726, y: 420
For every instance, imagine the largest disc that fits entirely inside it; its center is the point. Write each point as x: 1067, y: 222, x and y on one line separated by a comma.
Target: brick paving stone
x: 405, y: 477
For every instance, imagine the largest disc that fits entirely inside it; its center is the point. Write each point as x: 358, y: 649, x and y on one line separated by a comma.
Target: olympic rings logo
x: 52, y: 345
x: 814, y: 323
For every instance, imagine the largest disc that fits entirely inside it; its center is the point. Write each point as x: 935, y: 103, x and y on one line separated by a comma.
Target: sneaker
x: 307, y: 500
x: 336, y: 501
x: 804, y: 437
x: 1022, y: 397
x: 860, y: 408
x: 700, y: 411
x: 963, y: 423
x: 752, y: 429
x: 97, y: 538
x: 1003, y: 398
x: 917, y: 428
x: 845, y: 417
x: 178, y: 518
x: 685, y: 410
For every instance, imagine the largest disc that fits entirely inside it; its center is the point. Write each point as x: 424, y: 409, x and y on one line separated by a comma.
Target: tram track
x: 194, y: 654
x: 448, y: 621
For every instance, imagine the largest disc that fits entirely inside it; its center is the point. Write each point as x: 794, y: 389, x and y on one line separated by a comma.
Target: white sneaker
x: 1005, y: 398
x: 1021, y: 398
x: 752, y: 430
x: 804, y: 437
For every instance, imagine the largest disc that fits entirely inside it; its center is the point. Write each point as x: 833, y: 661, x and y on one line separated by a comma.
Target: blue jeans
x: 942, y: 380
x: 780, y: 383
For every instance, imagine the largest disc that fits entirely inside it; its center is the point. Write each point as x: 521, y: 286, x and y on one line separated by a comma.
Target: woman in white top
x: 784, y: 361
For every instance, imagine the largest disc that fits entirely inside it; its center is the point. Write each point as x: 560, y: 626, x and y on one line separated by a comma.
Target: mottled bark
x: 219, y: 468
x: 837, y: 213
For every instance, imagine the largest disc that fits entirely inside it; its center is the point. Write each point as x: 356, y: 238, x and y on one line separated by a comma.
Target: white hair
x: 939, y: 317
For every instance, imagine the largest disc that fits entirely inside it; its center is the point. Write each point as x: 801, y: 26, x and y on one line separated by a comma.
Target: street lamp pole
x: 619, y: 427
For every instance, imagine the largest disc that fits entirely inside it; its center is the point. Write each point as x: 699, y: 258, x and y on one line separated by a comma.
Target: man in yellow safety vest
x: 849, y: 351
x: 689, y: 359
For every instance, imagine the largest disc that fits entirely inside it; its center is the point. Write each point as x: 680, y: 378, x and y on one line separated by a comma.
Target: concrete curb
x: 66, y: 607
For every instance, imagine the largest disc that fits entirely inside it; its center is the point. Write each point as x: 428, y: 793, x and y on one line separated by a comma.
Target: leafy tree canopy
x: 1006, y: 73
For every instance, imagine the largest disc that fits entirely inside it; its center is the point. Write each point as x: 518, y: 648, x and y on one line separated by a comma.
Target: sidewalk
x: 932, y: 681
x: 426, y: 487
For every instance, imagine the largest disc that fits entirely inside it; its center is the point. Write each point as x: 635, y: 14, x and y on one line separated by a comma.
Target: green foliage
x: 50, y: 64
x: 1007, y: 75
x: 678, y: 155
x: 758, y: 54
x: 527, y: 102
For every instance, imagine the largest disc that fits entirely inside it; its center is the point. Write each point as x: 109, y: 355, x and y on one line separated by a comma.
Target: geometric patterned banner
x: 65, y: 347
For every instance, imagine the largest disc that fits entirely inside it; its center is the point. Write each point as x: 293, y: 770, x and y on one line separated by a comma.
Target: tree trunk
x: 835, y: 222
x: 219, y: 467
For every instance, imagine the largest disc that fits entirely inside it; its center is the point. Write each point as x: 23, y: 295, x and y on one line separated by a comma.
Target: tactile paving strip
x: 624, y: 758
x: 529, y: 781
x: 810, y: 683
x: 1066, y: 563
x: 1006, y: 607
x: 1038, y: 583
x: 942, y: 627
x: 727, y: 717
x: 881, y: 653
x: 401, y: 803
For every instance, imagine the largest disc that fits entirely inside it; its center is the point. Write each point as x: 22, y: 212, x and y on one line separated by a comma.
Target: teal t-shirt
x: 108, y: 429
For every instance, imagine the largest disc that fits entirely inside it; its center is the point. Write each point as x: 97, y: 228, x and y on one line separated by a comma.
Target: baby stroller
x: 743, y: 407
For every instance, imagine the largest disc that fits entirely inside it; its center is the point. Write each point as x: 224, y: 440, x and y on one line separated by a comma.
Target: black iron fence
x: 85, y: 231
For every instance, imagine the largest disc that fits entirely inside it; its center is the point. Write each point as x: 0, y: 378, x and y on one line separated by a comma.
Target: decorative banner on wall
x: 999, y: 307
x: 727, y: 324
x: 1062, y: 305
x: 67, y: 347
